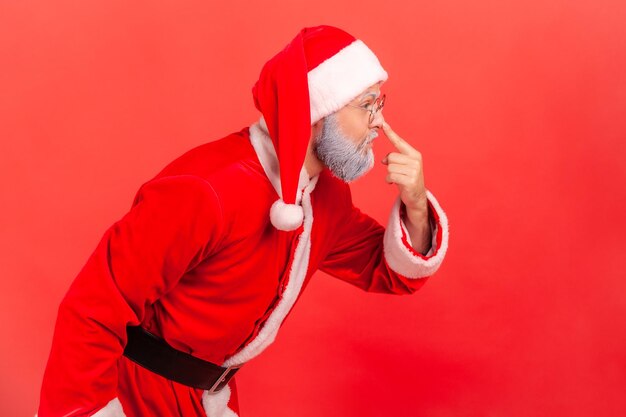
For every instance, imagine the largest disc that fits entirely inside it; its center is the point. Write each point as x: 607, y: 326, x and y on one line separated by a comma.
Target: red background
x: 517, y: 107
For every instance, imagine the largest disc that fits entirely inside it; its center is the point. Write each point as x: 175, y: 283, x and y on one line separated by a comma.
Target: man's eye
x: 366, y: 105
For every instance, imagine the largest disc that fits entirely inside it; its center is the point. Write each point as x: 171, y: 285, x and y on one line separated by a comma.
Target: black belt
x: 156, y: 355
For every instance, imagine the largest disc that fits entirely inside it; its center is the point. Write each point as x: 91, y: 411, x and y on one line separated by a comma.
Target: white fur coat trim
x: 216, y: 405
x: 112, y: 409
x: 301, y: 257
x: 264, y: 148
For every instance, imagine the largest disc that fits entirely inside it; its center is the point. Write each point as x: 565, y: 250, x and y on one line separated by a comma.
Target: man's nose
x: 378, y: 121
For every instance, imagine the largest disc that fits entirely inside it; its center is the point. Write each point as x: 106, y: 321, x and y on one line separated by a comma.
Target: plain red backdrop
x: 517, y: 107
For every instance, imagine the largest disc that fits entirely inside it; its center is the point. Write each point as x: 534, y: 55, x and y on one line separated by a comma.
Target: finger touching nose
x: 378, y: 121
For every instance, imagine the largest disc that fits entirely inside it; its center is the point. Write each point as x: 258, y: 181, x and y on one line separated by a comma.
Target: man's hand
x: 404, y: 168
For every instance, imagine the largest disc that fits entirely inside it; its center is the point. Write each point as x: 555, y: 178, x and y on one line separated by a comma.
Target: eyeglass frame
x: 379, y: 103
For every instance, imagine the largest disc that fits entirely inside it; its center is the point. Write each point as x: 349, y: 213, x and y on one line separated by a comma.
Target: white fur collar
x: 264, y: 148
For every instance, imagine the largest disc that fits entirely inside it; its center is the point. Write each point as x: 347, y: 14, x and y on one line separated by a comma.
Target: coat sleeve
x: 173, y: 224
x: 378, y: 259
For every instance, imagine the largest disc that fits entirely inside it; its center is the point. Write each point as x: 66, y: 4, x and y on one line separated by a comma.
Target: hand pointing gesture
x: 404, y: 168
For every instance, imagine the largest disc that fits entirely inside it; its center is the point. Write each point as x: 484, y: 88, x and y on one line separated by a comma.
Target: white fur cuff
x: 400, y: 255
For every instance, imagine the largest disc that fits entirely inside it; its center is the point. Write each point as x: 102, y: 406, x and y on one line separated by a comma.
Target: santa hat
x: 321, y: 70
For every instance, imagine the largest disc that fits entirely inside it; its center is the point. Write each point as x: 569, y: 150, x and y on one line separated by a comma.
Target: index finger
x: 402, y: 145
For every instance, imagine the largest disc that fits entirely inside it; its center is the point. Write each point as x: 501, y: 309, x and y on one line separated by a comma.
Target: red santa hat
x: 321, y: 70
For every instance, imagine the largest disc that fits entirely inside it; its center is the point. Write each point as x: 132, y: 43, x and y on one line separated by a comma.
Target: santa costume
x: 218, y: 246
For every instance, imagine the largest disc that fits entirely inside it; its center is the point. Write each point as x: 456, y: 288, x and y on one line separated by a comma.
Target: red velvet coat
x: 197, y: 261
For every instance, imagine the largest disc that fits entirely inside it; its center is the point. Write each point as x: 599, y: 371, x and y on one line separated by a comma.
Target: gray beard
x: 343, y: 158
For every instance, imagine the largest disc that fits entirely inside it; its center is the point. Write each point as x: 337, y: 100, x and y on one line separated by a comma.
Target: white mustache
x: 371, y: 137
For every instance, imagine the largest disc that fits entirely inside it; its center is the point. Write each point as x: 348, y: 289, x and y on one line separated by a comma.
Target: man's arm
x: 405, y: 169
x: 174, y: 223
x: 378, y: 259
x: 418, y: 223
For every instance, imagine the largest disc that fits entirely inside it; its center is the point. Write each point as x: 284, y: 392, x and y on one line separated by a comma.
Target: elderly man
x: 197, y: 278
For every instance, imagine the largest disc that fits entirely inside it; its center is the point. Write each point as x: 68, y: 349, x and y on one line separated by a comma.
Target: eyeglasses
x: 373, y: 108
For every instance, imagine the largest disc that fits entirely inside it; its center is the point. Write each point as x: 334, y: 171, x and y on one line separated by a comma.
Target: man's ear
x: 318, y: 124
x: 316, y: 128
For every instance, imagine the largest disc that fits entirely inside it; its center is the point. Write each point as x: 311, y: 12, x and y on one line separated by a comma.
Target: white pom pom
x: 286, y: 217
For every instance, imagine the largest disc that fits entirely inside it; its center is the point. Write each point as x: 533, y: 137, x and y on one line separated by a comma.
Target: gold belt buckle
x: 222, y: 380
